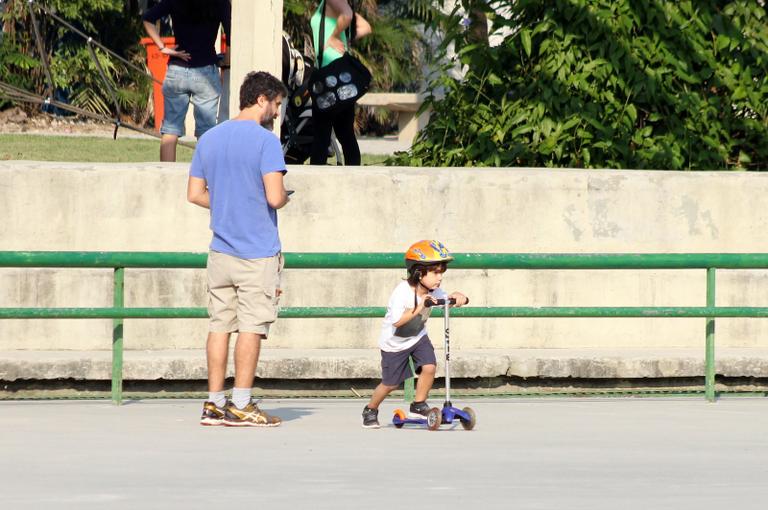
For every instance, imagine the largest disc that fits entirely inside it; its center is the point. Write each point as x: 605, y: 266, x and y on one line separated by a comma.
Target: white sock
x: 218, y: 397
x: 241, y: 397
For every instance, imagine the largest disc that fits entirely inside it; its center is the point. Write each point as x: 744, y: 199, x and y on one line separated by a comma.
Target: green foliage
x: 422, y: 10
x: 604, y: 83
x: 73, y: 71
x: 12, y: 59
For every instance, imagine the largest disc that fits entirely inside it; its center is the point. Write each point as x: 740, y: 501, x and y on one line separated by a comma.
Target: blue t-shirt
x: 233, y: 157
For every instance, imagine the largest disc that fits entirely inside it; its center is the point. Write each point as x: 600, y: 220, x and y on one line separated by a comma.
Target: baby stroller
x: 296, y: 133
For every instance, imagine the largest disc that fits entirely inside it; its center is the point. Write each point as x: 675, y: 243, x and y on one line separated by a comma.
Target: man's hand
x: 171, y: 51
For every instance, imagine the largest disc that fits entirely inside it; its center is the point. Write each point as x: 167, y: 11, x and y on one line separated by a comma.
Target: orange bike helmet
x: 426, y: 253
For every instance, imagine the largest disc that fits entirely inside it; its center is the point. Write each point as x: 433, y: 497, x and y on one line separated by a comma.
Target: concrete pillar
x: 257, y: 28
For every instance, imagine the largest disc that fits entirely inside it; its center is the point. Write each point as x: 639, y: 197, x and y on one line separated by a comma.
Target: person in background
x: 193, y: 75
x: 339, y: 17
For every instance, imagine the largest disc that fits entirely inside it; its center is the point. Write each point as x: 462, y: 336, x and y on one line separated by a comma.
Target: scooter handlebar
x: 439, y: 302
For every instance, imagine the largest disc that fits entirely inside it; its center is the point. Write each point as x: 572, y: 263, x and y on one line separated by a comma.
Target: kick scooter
x: 436, y: 417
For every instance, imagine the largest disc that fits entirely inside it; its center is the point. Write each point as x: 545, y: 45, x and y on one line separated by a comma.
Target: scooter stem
x: 446, y: 307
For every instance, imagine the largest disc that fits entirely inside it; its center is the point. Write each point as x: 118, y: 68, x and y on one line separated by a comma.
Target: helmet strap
x: 415, y: 292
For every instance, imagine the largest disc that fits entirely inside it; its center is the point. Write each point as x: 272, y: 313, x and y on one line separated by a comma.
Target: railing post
x: 709, y: 355
x: 409, y: 392
x: 117, y: 338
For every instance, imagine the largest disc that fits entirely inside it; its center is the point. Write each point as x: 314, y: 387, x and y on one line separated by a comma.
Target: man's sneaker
x: 370, y: 418
x: 212, y: 414
x: 250, y: 416
x: 418, y: 410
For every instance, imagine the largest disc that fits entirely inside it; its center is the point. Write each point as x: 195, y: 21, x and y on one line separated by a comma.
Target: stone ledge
x: 364, y: 364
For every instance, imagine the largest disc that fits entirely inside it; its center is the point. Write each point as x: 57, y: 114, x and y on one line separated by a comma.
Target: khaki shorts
x: 242, y: 293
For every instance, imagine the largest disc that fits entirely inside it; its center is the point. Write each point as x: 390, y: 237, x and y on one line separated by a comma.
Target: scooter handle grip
x: 439, y: 302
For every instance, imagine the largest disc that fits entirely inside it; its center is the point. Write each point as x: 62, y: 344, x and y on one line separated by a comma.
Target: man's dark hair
x: 258, y: 84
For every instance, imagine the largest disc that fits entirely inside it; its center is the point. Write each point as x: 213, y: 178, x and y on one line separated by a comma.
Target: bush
x: 604, y: 83
x: 75, y: 76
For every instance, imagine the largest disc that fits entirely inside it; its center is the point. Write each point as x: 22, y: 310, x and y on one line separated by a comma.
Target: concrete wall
x: 142, y: 207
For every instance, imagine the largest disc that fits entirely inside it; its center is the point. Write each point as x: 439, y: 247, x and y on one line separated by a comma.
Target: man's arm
x: 275, y: 190
x: 197, y: 192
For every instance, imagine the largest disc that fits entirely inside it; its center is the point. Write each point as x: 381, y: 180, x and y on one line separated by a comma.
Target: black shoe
x: 370, y: 418
x: 418, y: 410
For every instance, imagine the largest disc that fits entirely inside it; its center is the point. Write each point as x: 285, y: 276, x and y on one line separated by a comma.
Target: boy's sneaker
x: 212, y: 414
x: 418, y: 410
x: 370, y: 418
x: 250, y: 416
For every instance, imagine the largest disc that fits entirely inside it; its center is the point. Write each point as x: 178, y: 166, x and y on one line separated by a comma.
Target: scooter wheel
x: 400, y: 414
x: 469, y: 424
x: 434, y: 418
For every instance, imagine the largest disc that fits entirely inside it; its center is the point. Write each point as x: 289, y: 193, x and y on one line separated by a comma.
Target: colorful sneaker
x: 250, y: 416
x: 418, y: 410
x: 212, y: 415
x: 370, y: 418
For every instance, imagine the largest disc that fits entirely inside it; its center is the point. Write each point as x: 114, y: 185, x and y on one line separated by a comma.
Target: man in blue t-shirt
x: 237, y: 172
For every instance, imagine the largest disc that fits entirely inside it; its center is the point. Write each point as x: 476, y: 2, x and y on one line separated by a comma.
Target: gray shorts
x: 394, y: 365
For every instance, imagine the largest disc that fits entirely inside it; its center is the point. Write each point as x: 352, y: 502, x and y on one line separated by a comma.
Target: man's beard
x: 268, y: 124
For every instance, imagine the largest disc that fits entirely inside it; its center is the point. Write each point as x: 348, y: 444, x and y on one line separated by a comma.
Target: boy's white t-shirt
x: 400, y: 301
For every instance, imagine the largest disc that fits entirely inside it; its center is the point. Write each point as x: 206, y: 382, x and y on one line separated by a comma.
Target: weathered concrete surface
x: 365, y: 364
x: 532, y: 454
x: 142, y: 207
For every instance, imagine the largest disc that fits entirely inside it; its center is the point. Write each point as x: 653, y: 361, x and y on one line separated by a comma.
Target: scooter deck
x: 446, y: 417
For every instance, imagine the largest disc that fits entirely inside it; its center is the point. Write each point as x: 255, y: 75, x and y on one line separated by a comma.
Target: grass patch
x: 83, y: 149
x: 94, y: 149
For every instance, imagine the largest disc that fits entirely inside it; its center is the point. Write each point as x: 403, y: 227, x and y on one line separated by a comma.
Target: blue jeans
x: 182, y: 85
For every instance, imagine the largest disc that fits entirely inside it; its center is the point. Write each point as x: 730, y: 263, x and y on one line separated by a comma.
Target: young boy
x: 404, y: 331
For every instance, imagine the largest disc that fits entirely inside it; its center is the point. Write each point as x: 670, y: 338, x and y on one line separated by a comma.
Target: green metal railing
x: 119, y: 261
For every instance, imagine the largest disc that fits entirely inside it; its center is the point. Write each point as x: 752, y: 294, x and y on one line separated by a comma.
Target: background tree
x: 114, y: 23
x: 604, y: 83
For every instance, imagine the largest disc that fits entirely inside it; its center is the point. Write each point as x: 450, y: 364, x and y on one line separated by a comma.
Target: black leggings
x: 343, y: 124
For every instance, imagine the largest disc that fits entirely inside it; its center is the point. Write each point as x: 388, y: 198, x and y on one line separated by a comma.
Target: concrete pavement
x: 524, y: 454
